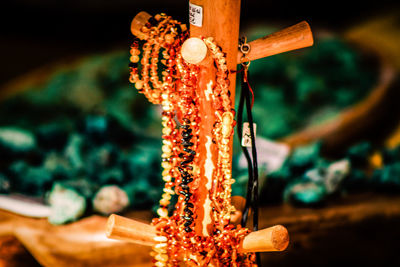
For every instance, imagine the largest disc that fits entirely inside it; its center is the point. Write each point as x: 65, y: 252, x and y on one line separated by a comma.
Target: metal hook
x: 244, y: 47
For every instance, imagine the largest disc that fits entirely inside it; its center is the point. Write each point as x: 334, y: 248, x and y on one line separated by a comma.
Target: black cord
x: 252, y: 185
x: 244, y: 150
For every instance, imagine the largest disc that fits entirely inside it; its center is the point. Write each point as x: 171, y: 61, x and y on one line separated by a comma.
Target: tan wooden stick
x: 221, y: 22
x: 275, y: 238
x: 291, y: 38
x: 122, y: 228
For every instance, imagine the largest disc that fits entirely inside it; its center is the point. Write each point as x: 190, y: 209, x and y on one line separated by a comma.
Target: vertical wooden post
x: 220, y: 20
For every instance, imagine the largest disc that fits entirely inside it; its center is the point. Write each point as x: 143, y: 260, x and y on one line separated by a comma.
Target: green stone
x: 359, y: 153
x: 305, y: 193
x: 391, y: 155
x: 73, y: 151
x: 388, y: 178
x: 31, y: 180
x: 305, y: 156
x: 4, y: 184
x: 356, y: 181
x: 67, y: 205
x: 16, y: 141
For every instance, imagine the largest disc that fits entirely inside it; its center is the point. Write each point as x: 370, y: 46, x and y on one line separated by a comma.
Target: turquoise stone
x: 28, y: 179
x: 304, y: 157
x: 305, y: 193
x: 388, y: 178
x: 73, y: 151
x: 358, y: 154
x: 67, y: 205
x: 14, y: 141
x: 52, y: 136
x: 357, y: 181
x: 5, y: 185
x: 391, y: 155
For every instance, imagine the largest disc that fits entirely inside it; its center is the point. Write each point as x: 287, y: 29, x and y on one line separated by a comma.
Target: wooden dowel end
x: 274, y: 238
x: 138, y: 22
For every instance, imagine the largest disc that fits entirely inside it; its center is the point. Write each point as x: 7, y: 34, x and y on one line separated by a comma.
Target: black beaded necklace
x: 186, y: 177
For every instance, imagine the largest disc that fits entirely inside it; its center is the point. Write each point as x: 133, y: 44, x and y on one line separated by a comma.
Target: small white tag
x: 195, y: 15
x: 270, y: 155
x: 246, y: 137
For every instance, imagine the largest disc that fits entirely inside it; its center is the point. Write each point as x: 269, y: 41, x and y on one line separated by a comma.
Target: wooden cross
x: 218, y: 19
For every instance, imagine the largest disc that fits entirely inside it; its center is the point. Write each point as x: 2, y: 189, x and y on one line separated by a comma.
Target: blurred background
x: 38, y: 32
x: 78, y: 139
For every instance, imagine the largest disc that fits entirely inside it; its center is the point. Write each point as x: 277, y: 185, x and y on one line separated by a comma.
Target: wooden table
x: 357, y: 229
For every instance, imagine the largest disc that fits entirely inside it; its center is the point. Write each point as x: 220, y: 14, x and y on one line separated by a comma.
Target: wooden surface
x: 291, y: 38
x: 359, y: 229
x: 78, y: 244
x: 356, y: 230
x: 221, y: 21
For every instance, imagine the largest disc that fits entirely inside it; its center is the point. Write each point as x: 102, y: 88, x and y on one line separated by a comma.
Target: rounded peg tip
x: 280, y: 237
x: 275, y: 238
x: 138, y: 22
x: 194, y: 50
x: 110, y: 225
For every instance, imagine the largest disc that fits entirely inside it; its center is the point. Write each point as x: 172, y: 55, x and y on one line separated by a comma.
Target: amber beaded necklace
x: 175, y: 90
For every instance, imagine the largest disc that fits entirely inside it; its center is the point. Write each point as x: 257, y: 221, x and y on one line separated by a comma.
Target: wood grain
x: 78, y: 244
x: 291, y: 38
x: 221, y: 21
x: 314, y: 234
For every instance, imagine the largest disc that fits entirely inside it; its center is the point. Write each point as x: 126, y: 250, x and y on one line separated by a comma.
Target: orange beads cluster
x: 163, y: 33
x: 174, y: 86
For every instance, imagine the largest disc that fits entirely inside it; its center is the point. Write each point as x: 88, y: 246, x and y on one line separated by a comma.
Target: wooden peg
x: 138, y: 22
x: 274, y: 238
x: 122, y: 228
x: 292, y: 38
x: 277, y: 236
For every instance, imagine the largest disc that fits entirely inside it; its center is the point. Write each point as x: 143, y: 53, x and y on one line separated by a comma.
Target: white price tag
x: 195, y: 15
x: 246, y: 137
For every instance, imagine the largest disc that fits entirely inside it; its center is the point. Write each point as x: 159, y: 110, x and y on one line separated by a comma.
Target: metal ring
x: 245, y: 48
x: 245, y: 62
